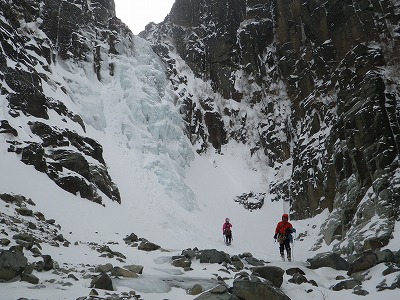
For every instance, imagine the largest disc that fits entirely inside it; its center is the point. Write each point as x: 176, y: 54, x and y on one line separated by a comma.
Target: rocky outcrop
x: 358, y: 269
x: 67, y: 30
x: 321, y: 79
x: 31, y: 229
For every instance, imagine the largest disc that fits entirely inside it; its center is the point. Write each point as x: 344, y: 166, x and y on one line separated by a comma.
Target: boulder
x: 328, y: 259
x: 72, y: 276
x: 245, y: 254
x: 346, y: 285
x: 366, y: 261
x: 12, y: 264
x: 271, y: 273
x: 189, y: 253
x: 298, y: 278
x: 39, y: 266
x: 359, y: 291
x: 396, y: 283
x: 390, y: 269
x: 253, y: 261
x: 24, y: 239
x: 23, y: 211
x: 182, y: 263
x: 4, y: 242
x: 103, y: 282
x: 237, y: 263
x: 108, y: 252
x: 214, y: 256
x: 255, y: 290
x: 293, y: 271
x: 15, y: 199
x: 30, y: 278
x: 148, y: 246
x: 117, y: 271
x: 48, y: 262
x: 397, y: 254
x: 131, y: 238
x: 195, y: 290
x: 104, y: 268
x: 385, y: 256
x: 135, y: 268
x: 36, y: 252
x: 220, y: 292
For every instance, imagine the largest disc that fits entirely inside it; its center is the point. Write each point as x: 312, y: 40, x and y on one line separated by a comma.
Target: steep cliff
x: 38, y: 123
x: 74, y: 80
x: 312, y: 86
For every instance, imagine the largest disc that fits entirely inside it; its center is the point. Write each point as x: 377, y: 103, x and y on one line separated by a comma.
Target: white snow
x: 147, y: 211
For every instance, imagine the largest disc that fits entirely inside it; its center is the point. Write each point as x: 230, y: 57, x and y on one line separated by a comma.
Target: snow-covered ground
x: 214, y: 180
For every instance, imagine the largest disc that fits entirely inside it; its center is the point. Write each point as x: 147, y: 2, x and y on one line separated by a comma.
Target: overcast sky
x: 138, y: 13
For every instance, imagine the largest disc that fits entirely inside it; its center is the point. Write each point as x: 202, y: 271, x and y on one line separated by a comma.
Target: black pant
x: 285, y: 244
x: 228, y: 237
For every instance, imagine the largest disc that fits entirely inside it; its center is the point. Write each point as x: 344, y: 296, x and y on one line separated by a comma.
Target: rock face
x: 320, y: 77
x: 68, y: 30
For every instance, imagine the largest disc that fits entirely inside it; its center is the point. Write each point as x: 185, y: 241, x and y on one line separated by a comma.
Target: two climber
x: 283, y: 234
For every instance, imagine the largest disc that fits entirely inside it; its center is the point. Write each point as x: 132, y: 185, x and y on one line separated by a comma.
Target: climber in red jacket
x: 283, y: 234
x: 227, y: 232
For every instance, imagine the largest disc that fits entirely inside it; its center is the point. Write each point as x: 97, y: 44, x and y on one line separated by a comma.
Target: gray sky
x: 138, y: 13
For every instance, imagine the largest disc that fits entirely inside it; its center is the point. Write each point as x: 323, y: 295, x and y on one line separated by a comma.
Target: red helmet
x: 285, y: 216
x: 227, y: 220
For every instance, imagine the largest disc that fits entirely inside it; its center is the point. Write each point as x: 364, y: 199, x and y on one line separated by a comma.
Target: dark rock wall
x: 71, y: 30
x: 325, y: 90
